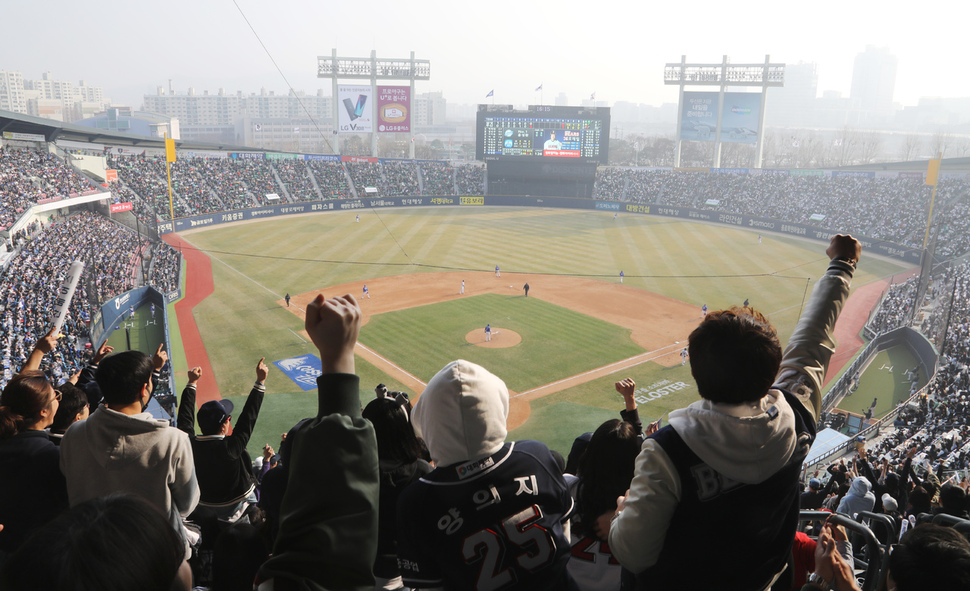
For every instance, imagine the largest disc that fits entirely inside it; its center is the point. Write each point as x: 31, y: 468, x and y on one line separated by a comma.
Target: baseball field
x: 559, y: 350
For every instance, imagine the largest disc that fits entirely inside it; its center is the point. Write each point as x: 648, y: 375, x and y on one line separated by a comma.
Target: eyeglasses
x: 57, y: 395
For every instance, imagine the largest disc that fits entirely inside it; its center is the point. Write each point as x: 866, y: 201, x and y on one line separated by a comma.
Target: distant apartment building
x: 428, y: 109
x: 292, y: 122
x: 12, y: 96
x: 52, y: 99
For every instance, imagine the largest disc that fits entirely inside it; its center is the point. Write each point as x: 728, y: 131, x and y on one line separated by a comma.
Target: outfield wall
x: 880, y: 247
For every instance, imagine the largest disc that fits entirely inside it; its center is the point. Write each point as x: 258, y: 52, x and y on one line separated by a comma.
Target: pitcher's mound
x: 501, y: 338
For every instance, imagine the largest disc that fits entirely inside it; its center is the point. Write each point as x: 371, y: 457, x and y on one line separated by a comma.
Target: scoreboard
x: 543, y: 133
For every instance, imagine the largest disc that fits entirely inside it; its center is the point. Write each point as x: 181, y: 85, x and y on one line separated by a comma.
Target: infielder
x: 703, y: 310
x: 497, y: 272
x: 366, y: 292
x: 462, y: 290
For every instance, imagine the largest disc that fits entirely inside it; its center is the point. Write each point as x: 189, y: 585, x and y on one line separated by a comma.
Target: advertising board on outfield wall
x: 757, y: 224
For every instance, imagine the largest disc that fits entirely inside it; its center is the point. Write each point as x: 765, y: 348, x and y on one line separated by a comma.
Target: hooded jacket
x: 752, y: 449
x: 491, y: 514
x: 112, y: 452
x: 859, y: 498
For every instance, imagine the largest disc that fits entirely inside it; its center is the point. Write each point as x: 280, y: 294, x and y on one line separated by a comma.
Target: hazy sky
x: 616, y: 49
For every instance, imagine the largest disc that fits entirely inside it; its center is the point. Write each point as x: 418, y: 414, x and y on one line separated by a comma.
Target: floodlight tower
x: 373, y: 69
x: 723, y: 75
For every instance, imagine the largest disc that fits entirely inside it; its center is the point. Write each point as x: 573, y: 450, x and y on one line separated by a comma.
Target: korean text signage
x: 394, y: 109
x: 699, y: 120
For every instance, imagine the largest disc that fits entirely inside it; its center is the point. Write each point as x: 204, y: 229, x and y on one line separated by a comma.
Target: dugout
x: 921, y: 348
x: 126, y: 323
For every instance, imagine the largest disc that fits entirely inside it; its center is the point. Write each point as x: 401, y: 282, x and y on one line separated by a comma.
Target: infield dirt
x: 656, y: 321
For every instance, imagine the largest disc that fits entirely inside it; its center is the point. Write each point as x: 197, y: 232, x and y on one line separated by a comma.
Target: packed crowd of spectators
x: 31, y: 281
x: 331, y: 178
x: 611, y: 183
x: 147, y: 178
x: 438, y: 178
x: 295, y: 175
x: 145, y: 213
x: 189, y: 182
x: 896, y: 307
x: 889, y: 209
x: 224, y: 178
x: 259, y: 179
x: 165, y: 269
x: 365, y: 175
x: 27, y: 176
x: 470, y: 179
x: 401, y: 178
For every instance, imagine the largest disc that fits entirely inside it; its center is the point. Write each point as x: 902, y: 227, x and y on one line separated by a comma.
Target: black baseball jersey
x: 496, y: 523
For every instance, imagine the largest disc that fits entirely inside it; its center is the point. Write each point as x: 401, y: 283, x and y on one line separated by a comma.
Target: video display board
x: 543, y: 133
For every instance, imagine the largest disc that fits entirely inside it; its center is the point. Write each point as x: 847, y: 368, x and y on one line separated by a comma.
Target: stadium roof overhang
x: 55, y: 130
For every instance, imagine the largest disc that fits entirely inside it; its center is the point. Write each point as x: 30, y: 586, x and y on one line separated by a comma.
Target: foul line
x: 391, y: 363
x: 251, y: 279
x: 625, y: 363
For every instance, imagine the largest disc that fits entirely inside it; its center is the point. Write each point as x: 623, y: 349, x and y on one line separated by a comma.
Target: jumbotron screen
x: 542, y: 132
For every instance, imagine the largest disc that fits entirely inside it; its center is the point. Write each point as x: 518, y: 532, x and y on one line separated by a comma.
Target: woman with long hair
x: 32, y: 488
x: 605, y: 471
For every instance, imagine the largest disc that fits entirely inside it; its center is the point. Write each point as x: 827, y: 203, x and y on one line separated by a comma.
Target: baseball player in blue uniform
x: 366, y: 292
x: 498, y: 273
x: 703, y: 310
x: 488, y: 332
x: 491, y: 514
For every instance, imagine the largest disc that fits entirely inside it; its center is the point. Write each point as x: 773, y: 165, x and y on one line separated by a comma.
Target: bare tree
x: 769, y: 150
x: 846, y: 145
x: 870, y: 144
x: 942, y: 140
x: 911, y: 146
x: 962, y: 147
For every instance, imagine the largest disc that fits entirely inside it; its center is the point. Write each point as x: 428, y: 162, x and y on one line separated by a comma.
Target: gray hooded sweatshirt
x: 858, y: 499
x: 111, y: 452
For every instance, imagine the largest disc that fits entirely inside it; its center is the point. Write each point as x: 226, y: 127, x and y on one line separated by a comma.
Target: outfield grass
x: 426, y: 338
x: 883, y: 380
x: 558, y: 418
x: 254, y: 264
